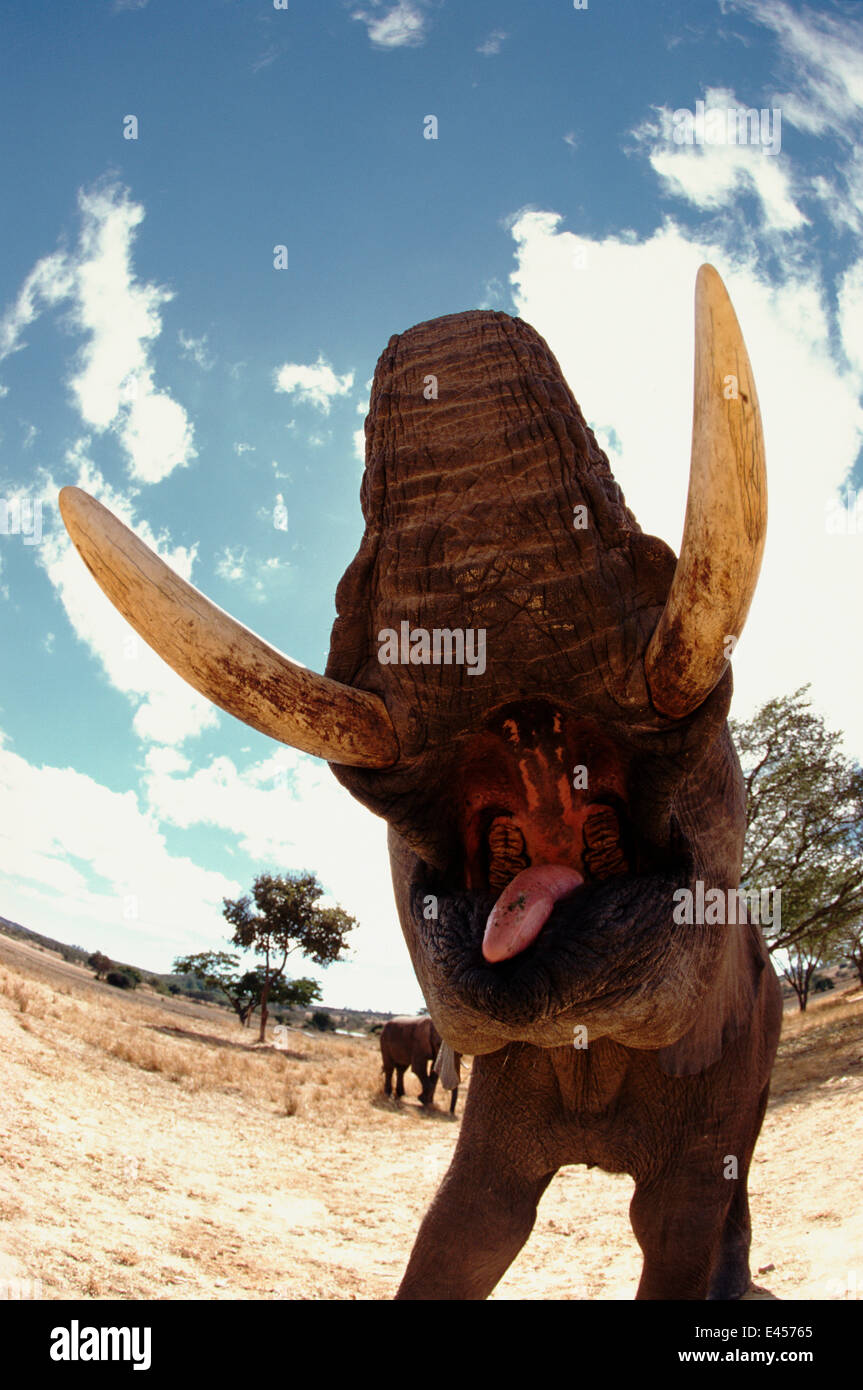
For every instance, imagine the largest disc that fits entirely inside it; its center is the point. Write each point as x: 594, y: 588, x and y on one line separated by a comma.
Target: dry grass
x: 313, y: 1076
x: 820, y: 1045
x: 168, y: 1155
x: 318, y: 1075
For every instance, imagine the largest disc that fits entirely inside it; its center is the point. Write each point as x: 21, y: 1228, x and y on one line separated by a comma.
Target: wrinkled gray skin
x: 414, y: 1043
x: 468, y: 502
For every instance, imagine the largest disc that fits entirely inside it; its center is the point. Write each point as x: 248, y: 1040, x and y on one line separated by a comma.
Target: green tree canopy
x: 100, y: 963
x: 285, y: 919
x: 804, y: 832
x: 219, y: 970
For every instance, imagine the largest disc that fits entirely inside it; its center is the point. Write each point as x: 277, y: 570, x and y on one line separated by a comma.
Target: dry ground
x: 148, y: 1149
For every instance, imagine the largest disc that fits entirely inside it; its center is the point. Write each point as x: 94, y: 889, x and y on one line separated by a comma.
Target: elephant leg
x: 400, y: 1082
x: 388, y: 1081
x: 453, y: 1099
x: 472, y: 1232
x: 429, y: 1088
x: 731, y: 1277
x: 419, y: 1067
x: 678, y: 1221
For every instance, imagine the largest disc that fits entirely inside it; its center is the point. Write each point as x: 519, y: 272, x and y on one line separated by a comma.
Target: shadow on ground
x: 190, y: 1035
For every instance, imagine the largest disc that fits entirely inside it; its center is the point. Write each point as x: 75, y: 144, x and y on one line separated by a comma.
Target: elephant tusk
x: 726, y: 514
x: 219, y: 657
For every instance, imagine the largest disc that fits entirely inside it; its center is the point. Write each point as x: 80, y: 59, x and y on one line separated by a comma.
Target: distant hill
x: 76, y: 953
x: 348, y: 1020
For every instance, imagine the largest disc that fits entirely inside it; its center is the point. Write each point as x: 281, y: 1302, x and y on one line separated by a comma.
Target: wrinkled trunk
x: 502, y: 517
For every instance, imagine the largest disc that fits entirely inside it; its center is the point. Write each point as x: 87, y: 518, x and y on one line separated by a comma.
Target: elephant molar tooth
x: 507, y: 852
x: 603, y: 854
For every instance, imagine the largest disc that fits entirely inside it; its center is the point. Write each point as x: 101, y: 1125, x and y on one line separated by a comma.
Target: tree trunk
x: 262, y: 1037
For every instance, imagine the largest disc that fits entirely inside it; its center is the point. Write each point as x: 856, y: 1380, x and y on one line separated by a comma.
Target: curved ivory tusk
x: 726, y: 514
x: 219, y: 657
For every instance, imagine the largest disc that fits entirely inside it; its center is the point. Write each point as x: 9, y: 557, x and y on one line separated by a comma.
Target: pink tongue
x: 524, y: 907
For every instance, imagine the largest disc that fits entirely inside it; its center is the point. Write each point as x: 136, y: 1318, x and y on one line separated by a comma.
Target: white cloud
x: 279, y: 514
x: 113, y: 387
x: 821, y: 60
x: 119, y: 316
x: 823, y: 53
x: 850, y: 304
x: 50, y: 282
x: 267, y: 58
x: 256, y: 575
x: 89, y: 865
x: 316, y: 384
x: 623, y: 337
x: 241, y: 449
x: 72, y: 851
x: 288, y: 811
x: 493, y: 44
x: 196, y: 350
x: 712, y: 176
x: 155, y: 433
x: 231, y: 564
x: 494, y: 295
x: 400, y: 26
x: 360, y: 445
x: 167, y: 710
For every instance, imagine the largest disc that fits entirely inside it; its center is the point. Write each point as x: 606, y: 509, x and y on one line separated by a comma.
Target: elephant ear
x: 726, y: 1009
x: 447, y: 1068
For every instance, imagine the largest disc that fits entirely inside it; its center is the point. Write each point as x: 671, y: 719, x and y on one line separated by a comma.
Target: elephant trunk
x: 490, y: 509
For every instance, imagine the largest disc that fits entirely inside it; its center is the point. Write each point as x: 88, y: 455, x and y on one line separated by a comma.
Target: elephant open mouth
x: 551, y: 909
x: 608, y: 956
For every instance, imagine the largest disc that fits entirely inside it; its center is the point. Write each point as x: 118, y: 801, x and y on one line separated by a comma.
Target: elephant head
x: 547, y: 793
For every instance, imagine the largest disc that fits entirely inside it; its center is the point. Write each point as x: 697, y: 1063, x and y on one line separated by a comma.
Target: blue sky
x: 151, y: 352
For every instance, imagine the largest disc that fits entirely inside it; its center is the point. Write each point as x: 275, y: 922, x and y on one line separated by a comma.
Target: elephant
x: 533, y: 693
x: 414, y: 1043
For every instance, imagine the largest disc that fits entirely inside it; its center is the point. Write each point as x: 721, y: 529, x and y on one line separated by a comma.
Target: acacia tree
x: 804, y: 836
x: 803, y: 957
x: 286, y: 920
x: 243, y: 990
x: 99, y: 962
x: 851, y: 943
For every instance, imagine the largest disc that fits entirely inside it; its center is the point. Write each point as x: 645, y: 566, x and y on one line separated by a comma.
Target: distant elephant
x: 414, y: 1043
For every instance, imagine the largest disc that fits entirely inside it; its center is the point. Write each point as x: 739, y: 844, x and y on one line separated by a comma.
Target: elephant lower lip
x: 608, y: 955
